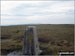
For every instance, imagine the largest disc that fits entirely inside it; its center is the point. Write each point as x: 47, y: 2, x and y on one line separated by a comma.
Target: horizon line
x: 33, y: 24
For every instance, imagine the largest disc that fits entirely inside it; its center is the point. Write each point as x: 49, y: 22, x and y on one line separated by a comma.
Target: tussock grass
x: 52, y: 38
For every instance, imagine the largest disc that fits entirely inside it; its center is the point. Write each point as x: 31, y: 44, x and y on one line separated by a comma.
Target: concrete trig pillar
x: 31, y: 47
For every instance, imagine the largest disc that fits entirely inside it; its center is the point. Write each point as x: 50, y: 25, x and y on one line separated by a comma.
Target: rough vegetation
x: 52, y: 38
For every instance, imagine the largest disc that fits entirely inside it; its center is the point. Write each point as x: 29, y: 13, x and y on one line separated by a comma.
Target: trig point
x: 31, y: 45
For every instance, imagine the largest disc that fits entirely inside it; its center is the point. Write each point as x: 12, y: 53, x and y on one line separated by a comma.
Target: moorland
x: 52, y: 38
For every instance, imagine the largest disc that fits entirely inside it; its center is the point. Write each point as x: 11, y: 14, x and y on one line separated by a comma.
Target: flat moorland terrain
x: 52, y: 38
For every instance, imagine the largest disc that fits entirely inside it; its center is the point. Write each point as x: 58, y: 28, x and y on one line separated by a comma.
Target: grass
x: 52, y: 38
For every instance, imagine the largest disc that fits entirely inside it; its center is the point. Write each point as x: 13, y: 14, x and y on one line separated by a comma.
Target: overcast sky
x: 37, y: 12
